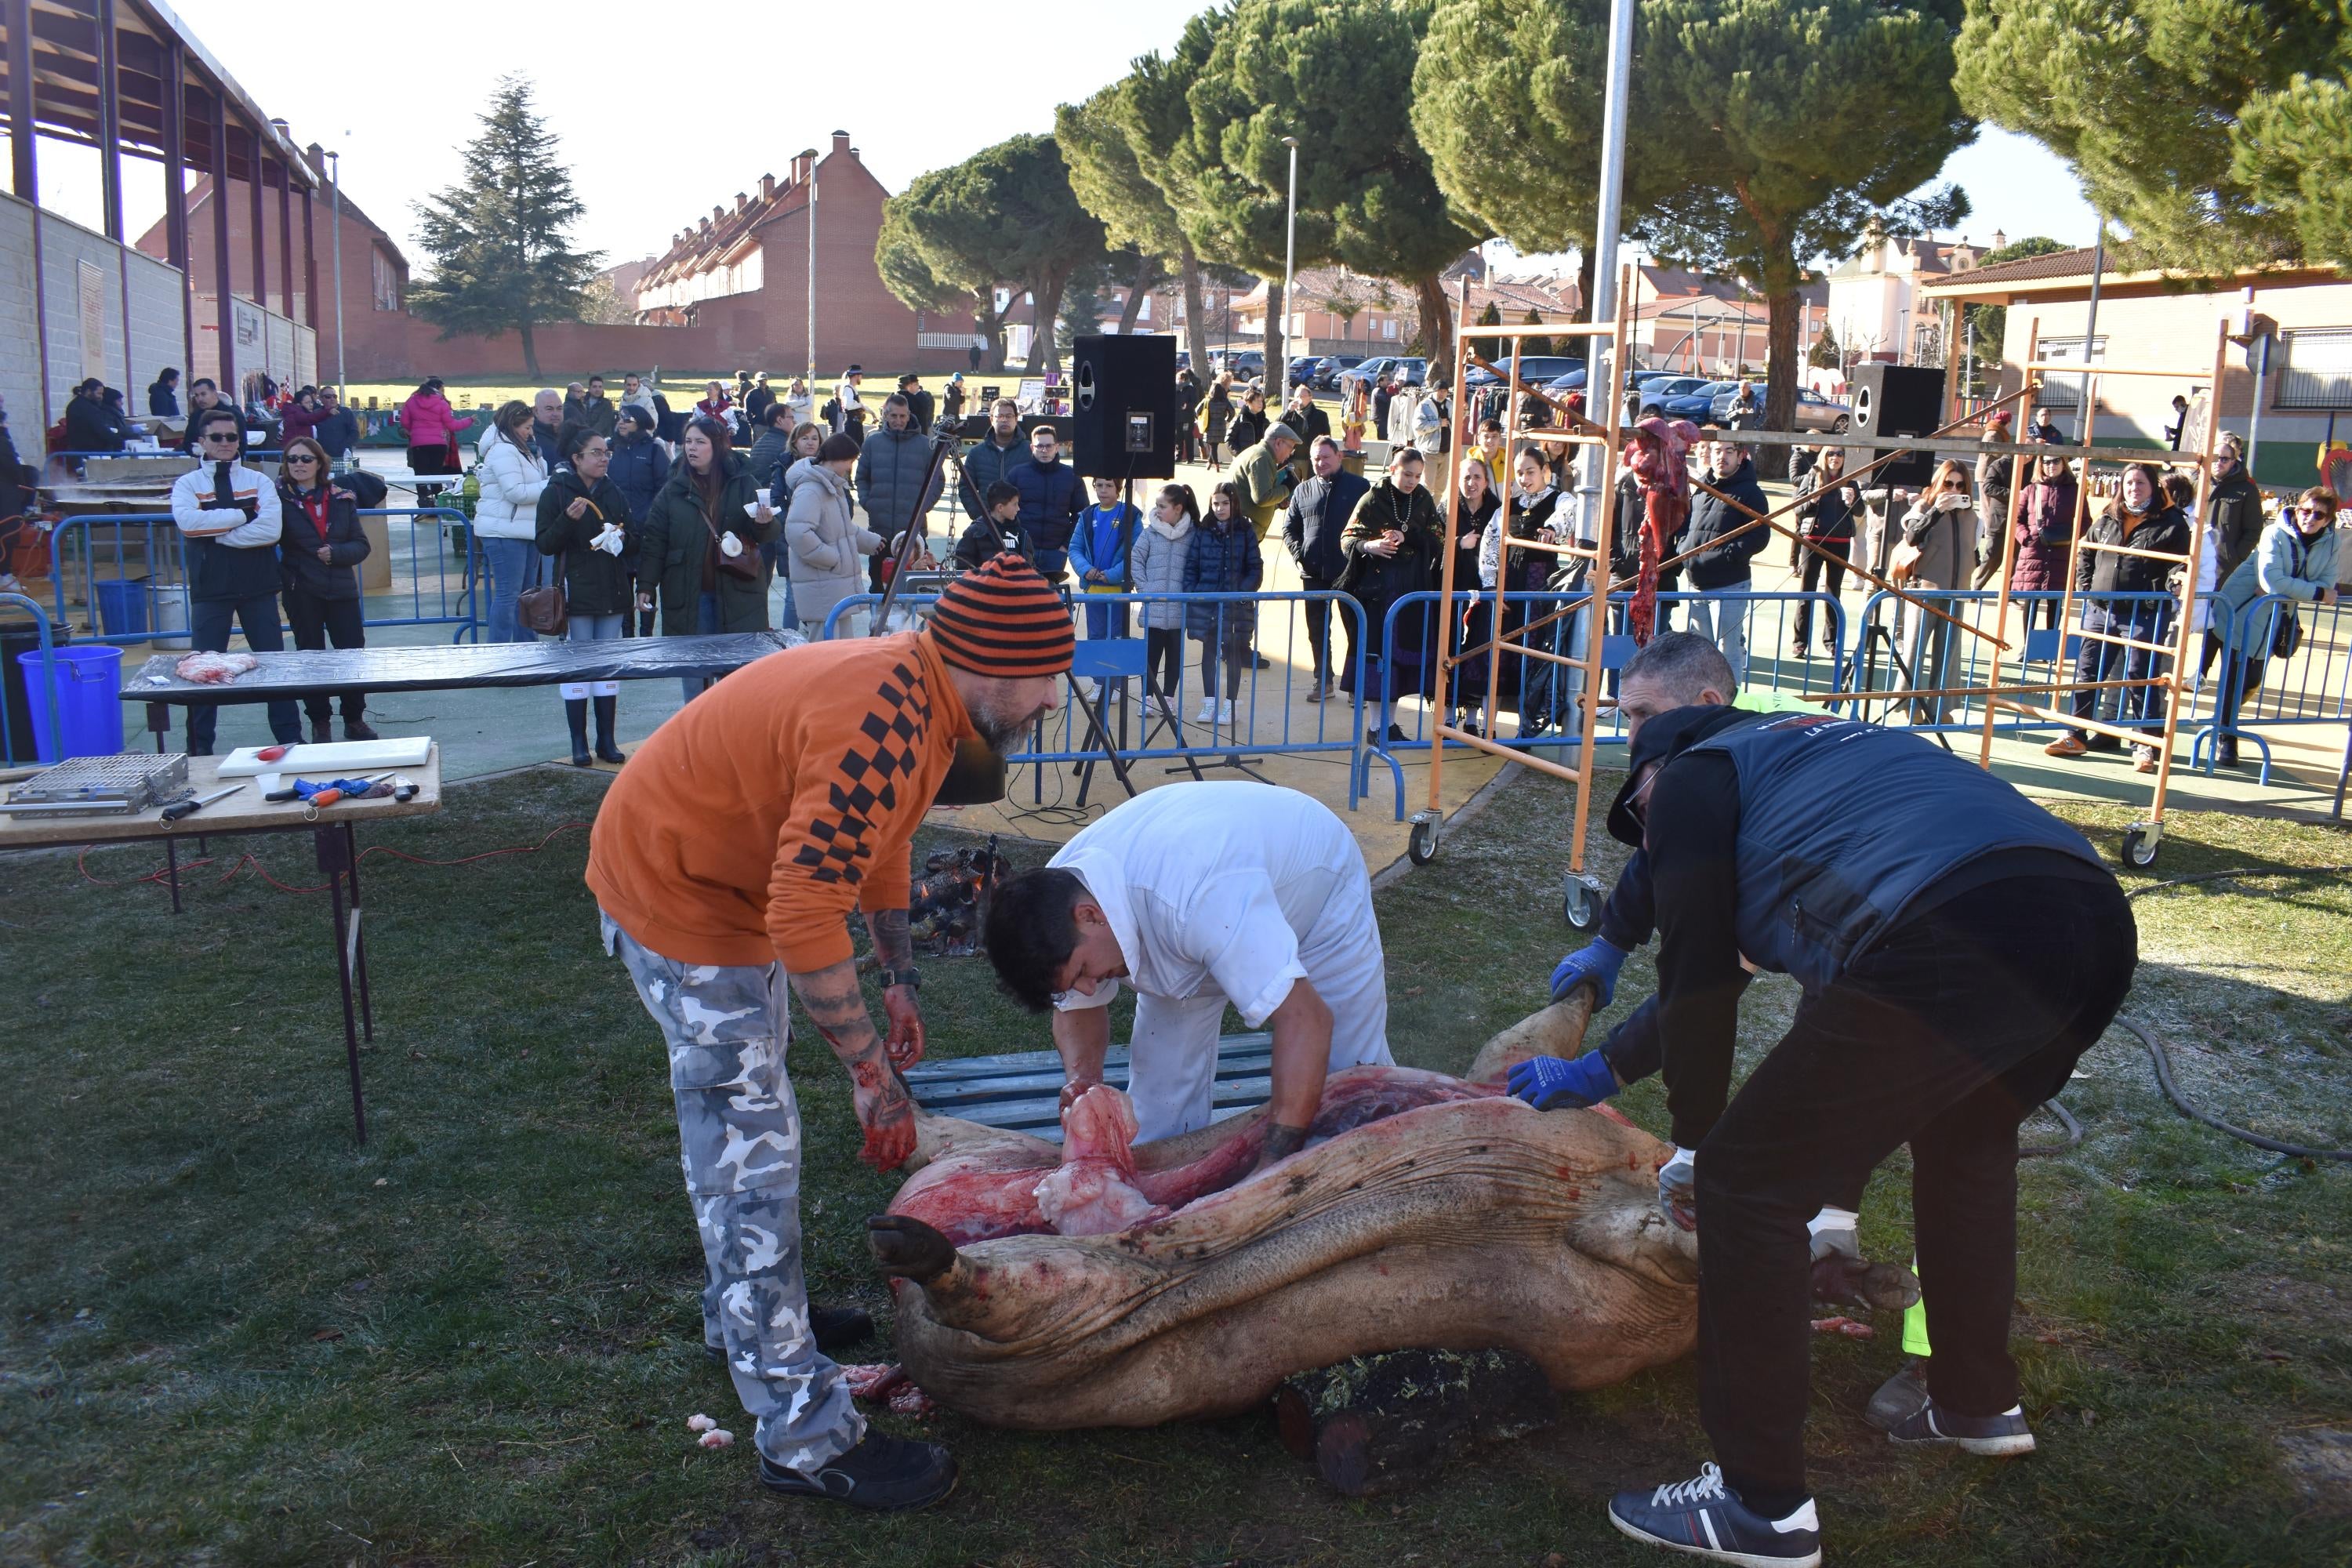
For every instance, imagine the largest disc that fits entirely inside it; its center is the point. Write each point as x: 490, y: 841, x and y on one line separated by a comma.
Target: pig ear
x: 1557, y: 1031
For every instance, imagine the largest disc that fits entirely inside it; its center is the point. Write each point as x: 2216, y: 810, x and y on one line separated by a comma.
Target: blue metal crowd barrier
x: 43, y: 678
x: 1151, y: 726
x: 1549, y: 722
x: 165, y: 615
x: 2312, y: 686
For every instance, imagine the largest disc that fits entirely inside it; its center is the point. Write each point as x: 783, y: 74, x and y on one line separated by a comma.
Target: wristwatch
x: 911, y: 977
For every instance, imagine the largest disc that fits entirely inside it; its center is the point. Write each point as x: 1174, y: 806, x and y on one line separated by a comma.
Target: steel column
x: 286, y: 237
x: 175, y: 195
x: 225, y: 311
x: 110, y: 126
x: 24, y: 178
x: 256, y: 173
x: 310, y: 267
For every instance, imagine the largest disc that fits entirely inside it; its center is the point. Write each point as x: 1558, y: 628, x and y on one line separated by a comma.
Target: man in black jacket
x: 1719, y: 571
x: 2233, y: 507
x: 1958, y: 949
x: 991, y: 458
x: 918, y: 402
x: 1312, y: 521
x: 338, y: 429
x: 91, y: 425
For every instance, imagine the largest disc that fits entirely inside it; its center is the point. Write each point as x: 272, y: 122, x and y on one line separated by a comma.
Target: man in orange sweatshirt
x: 725, y: 861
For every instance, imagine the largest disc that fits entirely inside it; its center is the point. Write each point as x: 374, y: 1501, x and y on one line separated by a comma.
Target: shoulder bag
x: 2287, y: 631
x: 744, y: 562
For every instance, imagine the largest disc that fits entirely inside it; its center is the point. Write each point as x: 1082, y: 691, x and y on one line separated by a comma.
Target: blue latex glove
x: 1676, y: 1194
x: 1555, y: 1083
x: 1596, y: 962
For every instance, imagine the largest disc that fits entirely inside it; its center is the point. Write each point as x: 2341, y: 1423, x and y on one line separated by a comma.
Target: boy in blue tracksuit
x: 1098, y: 552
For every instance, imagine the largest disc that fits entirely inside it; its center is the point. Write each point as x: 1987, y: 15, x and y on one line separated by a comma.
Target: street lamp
x: 1289, y: 258
x: 335, y: 179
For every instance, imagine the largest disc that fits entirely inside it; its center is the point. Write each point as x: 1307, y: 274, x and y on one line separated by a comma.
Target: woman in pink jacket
x: 432, y: 426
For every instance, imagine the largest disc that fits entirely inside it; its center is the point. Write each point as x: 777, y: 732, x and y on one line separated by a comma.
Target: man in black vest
x: 229, y: 514
x: 1958, y: 948
x: 1312, y: 521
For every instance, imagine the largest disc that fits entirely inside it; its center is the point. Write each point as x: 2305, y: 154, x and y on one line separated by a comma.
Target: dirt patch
x: 2320, y: 1461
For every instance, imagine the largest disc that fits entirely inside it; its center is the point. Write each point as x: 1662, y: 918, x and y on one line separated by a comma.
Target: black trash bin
x: 19, y: 634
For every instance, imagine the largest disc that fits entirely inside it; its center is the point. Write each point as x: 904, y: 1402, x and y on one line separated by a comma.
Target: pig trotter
x: 908, y: 1249
x: 1841, y: 1281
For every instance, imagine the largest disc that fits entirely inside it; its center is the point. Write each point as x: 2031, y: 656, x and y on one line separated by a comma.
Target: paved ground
x: 490, y: 731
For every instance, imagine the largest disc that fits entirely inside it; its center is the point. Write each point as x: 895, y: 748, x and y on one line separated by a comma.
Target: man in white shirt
x: 1199, y: 895
x: 229, y: 514
x: 849, y: 393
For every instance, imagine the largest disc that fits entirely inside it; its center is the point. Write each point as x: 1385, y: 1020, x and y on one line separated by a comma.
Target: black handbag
x: 2286, y: 629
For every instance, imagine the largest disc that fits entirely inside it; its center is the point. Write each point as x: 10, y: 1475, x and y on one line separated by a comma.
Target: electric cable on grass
x: 2161, y: 1058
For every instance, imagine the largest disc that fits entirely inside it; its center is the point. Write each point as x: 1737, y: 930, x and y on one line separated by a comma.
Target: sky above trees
x: 941, y: 85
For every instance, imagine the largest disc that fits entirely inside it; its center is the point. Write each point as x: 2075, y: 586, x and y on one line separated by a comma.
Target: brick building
x: 745, y: 268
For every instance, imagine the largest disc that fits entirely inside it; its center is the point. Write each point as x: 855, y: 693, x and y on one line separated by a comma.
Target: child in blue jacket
x: 1100, y: 547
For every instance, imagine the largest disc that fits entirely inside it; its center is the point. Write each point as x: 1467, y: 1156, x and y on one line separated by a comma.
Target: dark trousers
x: 1163, y: 658
x: 1319, y: 627
x: 1841, y: 552
x: 210, y: 622
x: 2142, y: 620
x: 2239, y: 676
x: 1233, y: 644
x: 1944, y: 1036
x: 315, y: 621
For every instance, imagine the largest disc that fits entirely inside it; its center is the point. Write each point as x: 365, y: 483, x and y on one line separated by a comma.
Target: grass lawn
x: 233, y: 1337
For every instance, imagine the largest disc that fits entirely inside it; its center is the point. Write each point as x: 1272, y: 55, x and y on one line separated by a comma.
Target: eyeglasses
x: 293, y: 458
x: 229, y: 435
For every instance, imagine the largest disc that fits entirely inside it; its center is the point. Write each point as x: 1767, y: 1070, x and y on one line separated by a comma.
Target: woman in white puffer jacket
x: 823, y: 542
x: 511, y: 473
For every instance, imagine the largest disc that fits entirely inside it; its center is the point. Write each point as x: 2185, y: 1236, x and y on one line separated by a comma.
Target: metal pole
x: 2254, y: 419
x: 2090, y: 341
x: 1608, y: 215
x: 1290, y: 262
x: 811, y: 286
x: 335, y: 177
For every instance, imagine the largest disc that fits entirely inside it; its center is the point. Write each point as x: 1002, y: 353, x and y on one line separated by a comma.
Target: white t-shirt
x: 1213, y: 888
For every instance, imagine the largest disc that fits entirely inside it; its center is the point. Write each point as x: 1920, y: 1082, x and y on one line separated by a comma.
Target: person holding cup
x: 701, y: 542
x: 583, y: 522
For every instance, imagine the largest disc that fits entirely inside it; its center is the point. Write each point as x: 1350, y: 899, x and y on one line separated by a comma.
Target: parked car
x: 1536, y: 370
x: 1697, y: 405
x: 1301, y: 371
x: 1815, y: 411
x: 1331, y: 369
x: 1243, y: 362
x: 1656, y: 394
x: 1416, y: 371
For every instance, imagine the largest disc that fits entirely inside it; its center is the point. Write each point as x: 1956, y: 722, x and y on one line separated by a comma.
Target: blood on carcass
x: 215, y: 668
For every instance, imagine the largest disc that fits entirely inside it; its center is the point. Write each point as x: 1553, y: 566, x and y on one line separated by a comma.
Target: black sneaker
x: 882, y: 1473
x: 1705, y: 1519
x: 1996, y: 1436
x: 1899, y: 1398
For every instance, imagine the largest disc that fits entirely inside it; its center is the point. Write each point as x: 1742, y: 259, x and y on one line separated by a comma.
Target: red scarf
x: 314, y: 506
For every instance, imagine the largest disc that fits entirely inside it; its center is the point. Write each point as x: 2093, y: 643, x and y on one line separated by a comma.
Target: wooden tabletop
x: 244, y: 812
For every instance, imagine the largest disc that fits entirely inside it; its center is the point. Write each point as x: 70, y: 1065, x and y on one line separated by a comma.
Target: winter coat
x: 771, y: 453
x: 299, y: 540
x: 1215, y: 414
x: 1249, y: 427
x: 2233, y: 511
x: 297, y: 422
x: 986, y: 463
x: 1724, y: 565
x: 677, y: 541
x: 1377, y: 581
x: 338, y: 431
x: 1265, y: 484
x: 598, y: 415
x: 2285, y: 562
x: 823, y: 542
x: 1101, y: 543
x: 595, y: 583
x: 2045, y: 522
x: 1221, y: 561
x: 1823, y: 513
x: 639, y: 468
x: 1314, y: 519
x: 93, y: 427
x: 1050, y: 500
x: 2160, y: 527
x: 1156, y: 565
x: 510, y: 478
x: 1314, y: 422
x: 1946, y: 537
x: 164, y: 399
x: 1473, y: 522
x: 891, y: 470
x: 427, y: 420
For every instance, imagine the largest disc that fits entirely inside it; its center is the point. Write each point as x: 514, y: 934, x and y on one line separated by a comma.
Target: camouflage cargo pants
x: 739, y: 1140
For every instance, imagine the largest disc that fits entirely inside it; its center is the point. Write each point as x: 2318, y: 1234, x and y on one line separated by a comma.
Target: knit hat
x: 835, y: 448
x: 1003, y: 620
x: 2000, y: 417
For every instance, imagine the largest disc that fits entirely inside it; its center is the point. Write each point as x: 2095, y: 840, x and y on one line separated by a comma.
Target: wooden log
x: 1377, y: 1423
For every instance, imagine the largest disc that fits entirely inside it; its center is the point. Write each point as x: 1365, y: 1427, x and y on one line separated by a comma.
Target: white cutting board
x: 340, y: 756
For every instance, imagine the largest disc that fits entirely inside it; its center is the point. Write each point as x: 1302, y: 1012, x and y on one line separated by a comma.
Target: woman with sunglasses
x: 320, y: 548
x: 2296, y: 560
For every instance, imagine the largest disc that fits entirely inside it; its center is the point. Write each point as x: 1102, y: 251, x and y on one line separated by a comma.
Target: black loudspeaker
x: 1898, y: 400
x: 1123, y: 406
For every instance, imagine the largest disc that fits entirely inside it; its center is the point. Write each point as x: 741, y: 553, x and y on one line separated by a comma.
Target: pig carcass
x: 1106, y: 1284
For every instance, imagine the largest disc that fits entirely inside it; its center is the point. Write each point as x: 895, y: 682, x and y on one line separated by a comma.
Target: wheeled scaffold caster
x: 2141, y: 842
x: 1428, y: 827
x: 1581, y: 906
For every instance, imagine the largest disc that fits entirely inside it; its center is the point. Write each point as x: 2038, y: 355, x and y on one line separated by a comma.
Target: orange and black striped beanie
x: 1003, y: 620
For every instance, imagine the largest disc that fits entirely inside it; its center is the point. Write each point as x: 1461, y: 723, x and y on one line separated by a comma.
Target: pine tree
x: 1825, y: 354
x: 1534, y: 318
x: 502, y: 254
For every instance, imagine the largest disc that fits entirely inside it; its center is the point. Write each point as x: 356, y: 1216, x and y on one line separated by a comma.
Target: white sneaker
x: 1225, y: 711
x: 1208, y: 713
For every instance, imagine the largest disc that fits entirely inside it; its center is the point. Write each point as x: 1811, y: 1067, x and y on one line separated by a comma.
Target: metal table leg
x: 334, y: 860
x: 172, y: 866
x: 359, y: 932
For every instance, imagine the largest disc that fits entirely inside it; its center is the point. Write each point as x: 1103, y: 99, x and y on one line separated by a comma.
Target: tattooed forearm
x: 837, y: 1008
x: 1281, y: 1141
x: 891, y: 943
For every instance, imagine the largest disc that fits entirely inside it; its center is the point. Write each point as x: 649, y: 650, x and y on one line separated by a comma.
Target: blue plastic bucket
x: 89, y: 684
x: 122, y: 609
